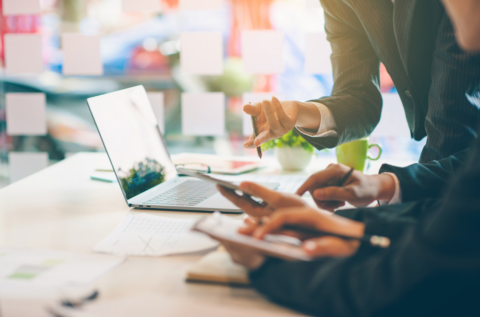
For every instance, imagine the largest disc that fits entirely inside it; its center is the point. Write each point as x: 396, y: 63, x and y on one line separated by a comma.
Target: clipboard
x: 224, y: 228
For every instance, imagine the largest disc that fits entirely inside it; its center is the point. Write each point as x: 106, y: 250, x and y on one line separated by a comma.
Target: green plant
x: 291, y: 139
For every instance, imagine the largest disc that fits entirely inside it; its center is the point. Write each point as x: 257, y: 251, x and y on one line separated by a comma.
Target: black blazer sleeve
x: 356, y: 102
x: 429, y: 180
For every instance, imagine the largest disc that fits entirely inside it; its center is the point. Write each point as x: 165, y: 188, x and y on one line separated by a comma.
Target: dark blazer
x: 432, y: 267
x: 415, y: 41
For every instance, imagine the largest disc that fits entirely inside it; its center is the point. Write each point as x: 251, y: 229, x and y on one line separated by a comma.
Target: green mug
x: 354, y: 154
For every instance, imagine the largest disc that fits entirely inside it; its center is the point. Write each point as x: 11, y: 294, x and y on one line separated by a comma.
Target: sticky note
x: 23, y: 164
x: 21, y: 7
x: 23, y: 53
x: 262, y: 52
x: 200, y: 4
x: 201, y: 53
x: 157, y: 100
x: 252, y: 98
x: 317, y: 54
x: 81, y: 55
x: 26, y: 114
x: 312, y: 3
x: 393, y: 121
x: 203, y: 114
x: 141, y: 5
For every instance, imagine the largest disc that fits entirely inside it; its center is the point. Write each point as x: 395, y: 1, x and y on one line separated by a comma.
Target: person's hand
x: 273, y: 199
x: 275, y: 119
x: 308, y: 217
x: 244, y: 256
x: 358, y: 190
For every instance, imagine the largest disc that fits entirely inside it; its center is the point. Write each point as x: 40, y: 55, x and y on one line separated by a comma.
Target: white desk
x: 60, y: 208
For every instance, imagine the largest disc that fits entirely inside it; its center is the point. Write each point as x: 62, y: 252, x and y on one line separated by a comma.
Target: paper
x: 157, y: 100
x: 81, y: 55
x: 200, y: 4
x: 146, y: 235
x: 252, y: 98
x: 313, y: 3
x: 262, y: 52
x: 203, y: 114
x: 26, y: 114
x: 288, y: 183
x: 23, y: 164
x: 201, y: 53
x: 23, y: 53
x: 393, y: 121
x: 141, y: 5
x: 21, y: 7
x: 317, y: 54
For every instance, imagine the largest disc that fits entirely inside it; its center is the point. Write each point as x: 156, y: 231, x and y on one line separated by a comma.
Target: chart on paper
x: 146, y: 235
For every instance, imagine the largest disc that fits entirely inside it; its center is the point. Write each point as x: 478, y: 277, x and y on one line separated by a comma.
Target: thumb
x: 332, y: 193
x: 258, y: 191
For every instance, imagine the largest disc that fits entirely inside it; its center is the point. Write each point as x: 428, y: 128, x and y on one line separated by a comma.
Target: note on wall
x: 262, y: 52
x: 21, y: 7
x: 26, y: 114
x: 317, y: 54
x: 201, y: 53
x: 81, y: 55
x: 312, y: 3
x: 23, y: 164
x: 23, y: 53
x: 157, y: 100
x: 393, y: 121
x: 141, y: 5
x: 252, y: 98
x: 200, y: 4
x: 203, y: 114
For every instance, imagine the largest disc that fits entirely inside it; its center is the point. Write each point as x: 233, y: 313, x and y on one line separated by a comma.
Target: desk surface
x: 60, y: 208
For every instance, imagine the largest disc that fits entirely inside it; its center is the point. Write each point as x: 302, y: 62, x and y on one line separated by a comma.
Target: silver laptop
x: 139, y: 156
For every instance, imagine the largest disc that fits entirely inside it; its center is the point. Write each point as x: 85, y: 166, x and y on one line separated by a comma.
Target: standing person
x: 415, y: 41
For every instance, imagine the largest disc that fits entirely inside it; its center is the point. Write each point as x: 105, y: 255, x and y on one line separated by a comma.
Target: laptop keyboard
x: 189, y: 193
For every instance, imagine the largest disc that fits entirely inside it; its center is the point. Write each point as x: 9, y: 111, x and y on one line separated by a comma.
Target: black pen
x: 345, y: 178
x: 373, y: 240
x: 255, y: 131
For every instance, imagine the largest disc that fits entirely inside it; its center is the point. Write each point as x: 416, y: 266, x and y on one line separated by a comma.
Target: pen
x: 373, y: 240
x: 255, y: 130
x: 345, y: 178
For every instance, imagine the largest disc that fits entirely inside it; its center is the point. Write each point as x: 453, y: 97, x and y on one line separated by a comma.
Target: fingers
x: 245, y: 203
x: 249, y: 142
x: 330, y: 175
x: 330, y: 246
x: 259, y: 191
x: 283, y: 119
x: 272, y: 120
x: 262, y: 138
x: 253, y: 109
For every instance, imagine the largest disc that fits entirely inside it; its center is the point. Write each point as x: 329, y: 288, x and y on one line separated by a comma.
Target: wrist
x: 308, y: 116
x: 386, y: 185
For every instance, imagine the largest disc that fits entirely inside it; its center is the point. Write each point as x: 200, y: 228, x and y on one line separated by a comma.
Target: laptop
x: 139, y: 156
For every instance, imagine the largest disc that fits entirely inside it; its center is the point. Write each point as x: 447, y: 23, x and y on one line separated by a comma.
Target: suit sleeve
x: 429, y: 180
x: 355, y: 102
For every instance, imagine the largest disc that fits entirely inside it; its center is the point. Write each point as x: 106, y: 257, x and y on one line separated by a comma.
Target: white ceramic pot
x: 293, y: 158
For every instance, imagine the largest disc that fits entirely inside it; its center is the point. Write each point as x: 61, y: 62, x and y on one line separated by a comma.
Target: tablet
x: 224, y: 228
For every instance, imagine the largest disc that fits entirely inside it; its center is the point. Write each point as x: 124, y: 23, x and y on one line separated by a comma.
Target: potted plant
x: 292, y: 151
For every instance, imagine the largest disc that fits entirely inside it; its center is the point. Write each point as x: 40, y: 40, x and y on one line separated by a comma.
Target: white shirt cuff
x: 327, y: 126
x: 397, y: 195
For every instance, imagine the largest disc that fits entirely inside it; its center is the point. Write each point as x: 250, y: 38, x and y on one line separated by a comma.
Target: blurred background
x: 143, y: 48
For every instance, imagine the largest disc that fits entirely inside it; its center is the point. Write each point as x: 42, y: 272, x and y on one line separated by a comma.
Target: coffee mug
x: 354, y: 154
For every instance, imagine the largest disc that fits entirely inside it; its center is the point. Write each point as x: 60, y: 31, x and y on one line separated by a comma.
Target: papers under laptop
x: 140, y: 158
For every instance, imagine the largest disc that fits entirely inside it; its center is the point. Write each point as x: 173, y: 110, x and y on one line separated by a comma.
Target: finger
x: 329, y: 205
x: 283, y: 119
x: 248, y: 229
x: 245, y: 203
x: 272, y: 119
x: 259, y: 191
x: 249, y: 142
x: 253, y: 109
x: 262, y: 138
x: 329, y: 246
x: 316, y: 180
x: 334, y: 193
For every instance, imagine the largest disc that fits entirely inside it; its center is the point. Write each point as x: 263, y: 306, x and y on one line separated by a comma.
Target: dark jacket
x: 432, y: 267
x: 415, y: 41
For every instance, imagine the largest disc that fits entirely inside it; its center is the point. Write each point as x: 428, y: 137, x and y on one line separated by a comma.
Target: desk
x: 60, y: 208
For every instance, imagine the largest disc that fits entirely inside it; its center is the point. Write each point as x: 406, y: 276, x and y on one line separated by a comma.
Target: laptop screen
x: 137, y: 151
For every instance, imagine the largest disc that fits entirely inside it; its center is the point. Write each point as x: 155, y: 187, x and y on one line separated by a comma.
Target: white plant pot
x: 293, y: 158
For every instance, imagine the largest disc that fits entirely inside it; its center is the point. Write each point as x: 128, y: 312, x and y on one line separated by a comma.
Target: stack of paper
x: 147, y: 235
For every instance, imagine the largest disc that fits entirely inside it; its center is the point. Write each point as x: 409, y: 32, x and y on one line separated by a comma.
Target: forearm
x: 465, y: 15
